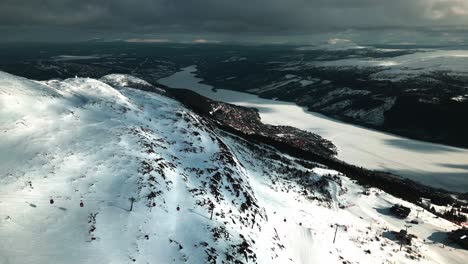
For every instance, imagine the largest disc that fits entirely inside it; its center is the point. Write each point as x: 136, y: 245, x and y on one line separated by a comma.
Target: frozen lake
x: 431, y: 164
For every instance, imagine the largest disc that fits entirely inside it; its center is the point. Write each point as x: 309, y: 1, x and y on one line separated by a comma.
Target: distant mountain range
x: 416, y: 92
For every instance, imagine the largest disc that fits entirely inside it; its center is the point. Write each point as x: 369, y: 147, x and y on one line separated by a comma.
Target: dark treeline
x: 402, y: 188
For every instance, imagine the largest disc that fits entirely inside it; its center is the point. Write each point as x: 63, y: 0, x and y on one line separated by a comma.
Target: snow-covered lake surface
x: 432, y: 164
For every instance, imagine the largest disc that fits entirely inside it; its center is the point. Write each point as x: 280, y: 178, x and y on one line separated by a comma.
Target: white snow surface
x: 431, y: 164
x: 123, y: 80
x: 83, y: 140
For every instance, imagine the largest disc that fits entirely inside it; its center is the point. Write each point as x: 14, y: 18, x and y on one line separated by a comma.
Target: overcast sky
x: 238, y: 20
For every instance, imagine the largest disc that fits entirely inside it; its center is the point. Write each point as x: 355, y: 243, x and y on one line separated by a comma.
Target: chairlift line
x: 52, y: 200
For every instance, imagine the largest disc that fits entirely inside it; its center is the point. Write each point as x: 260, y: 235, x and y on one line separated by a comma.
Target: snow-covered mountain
x: 416, y: 65
x: 74, y: 153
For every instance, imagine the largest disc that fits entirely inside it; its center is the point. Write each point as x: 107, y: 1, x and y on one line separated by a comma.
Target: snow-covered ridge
x: 81, y: 140
x: 334, y: 44
x: 407, y: 66
x: 123, y: 80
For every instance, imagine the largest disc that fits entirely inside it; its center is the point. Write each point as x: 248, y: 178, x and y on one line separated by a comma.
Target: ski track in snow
x: 83, y: 140
x: 431, y: 164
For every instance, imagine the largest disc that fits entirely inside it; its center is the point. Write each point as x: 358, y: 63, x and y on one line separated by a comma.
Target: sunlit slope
x: 75, y: 152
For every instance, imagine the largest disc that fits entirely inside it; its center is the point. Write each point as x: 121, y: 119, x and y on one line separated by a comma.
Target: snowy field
x: 81, y: 140
x: 432, y: 164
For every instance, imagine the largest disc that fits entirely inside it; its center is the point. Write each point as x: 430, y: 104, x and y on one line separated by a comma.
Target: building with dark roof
x: 400, y: 211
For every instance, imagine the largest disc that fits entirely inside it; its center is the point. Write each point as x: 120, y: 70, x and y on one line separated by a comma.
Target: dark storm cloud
x: 133, y: 17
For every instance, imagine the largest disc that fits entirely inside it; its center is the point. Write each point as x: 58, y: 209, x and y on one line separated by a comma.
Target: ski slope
x: 431, y: 164
x: 83, y: 141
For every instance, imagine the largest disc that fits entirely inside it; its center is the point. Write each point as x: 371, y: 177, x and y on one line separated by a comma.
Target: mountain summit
x: 95, y: 171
